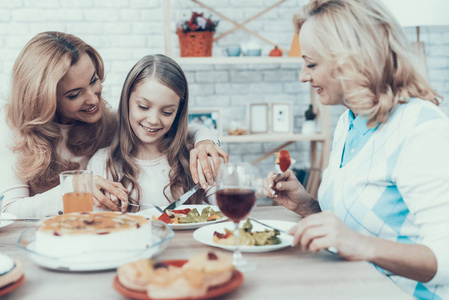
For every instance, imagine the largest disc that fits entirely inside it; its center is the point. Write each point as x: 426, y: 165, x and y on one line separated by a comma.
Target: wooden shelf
x: 238, y: 60
x: 273, y: 137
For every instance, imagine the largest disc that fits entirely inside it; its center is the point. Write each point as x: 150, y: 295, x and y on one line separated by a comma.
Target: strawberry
x: 284, y: 160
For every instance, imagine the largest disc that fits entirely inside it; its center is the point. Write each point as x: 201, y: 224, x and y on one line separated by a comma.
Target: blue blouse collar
x: 359, y: 123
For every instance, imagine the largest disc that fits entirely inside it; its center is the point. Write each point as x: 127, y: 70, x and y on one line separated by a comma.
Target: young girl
x: 150, y: 153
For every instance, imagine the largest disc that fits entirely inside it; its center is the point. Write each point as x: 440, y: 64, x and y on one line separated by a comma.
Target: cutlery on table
x: 332, y: 250
x: 183, y: 198
x: 144, y: 204
x: 21, y: 220
x: 266, y: 225
x: 175, y: 203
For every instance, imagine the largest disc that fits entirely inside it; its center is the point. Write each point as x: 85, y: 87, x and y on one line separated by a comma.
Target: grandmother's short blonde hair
x: 371, y: 55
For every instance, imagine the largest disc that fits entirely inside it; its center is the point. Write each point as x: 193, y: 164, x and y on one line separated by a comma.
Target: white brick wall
x: 125, y: 30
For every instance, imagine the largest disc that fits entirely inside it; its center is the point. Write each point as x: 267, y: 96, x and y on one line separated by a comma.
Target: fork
x: 332, y: 250
x: 140, y: 205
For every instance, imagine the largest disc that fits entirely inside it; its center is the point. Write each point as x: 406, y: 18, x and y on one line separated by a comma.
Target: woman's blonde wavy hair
x: 370, y: 54
x: 31, y: 110
x: 175, y: 145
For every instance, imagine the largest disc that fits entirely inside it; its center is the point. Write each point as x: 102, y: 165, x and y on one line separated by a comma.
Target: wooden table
x: 284, y: 274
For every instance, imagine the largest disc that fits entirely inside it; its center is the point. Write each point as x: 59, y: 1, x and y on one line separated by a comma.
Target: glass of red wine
x: 236, y: 195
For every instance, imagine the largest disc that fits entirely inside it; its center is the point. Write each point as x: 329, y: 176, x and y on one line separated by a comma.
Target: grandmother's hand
x: 201, y: 153
x: 284, y: 188
x: 323, y: 230
x: 107, y: 192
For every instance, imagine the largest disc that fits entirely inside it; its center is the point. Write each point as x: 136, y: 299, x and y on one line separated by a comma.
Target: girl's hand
x: 202, y: 152
x: 323, y: 230
x: 115, y: 190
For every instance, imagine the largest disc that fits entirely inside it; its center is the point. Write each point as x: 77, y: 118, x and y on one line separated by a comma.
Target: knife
x: 147, y: 204
x: 183, y: 198
x: 332, y: 250
x: 266, y: 225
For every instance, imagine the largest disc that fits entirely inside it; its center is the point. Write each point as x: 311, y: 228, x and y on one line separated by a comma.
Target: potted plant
x: 309, y: 125
x: 196, y: 35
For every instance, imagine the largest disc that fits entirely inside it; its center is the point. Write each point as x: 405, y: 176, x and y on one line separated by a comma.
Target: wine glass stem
x: 237, y: 257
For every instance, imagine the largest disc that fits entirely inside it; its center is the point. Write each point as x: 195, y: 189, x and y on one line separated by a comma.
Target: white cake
x: 77, y: 233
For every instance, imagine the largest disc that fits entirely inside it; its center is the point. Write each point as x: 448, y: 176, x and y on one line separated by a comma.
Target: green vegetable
x: 194, y: 216
x: 204, y: 214
x: 247, y: 226
x: 213, y: 212
x: 267, y: 237
x: 256, y: 238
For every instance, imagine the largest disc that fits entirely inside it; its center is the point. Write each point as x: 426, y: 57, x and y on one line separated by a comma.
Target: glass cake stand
x: 96, y: 260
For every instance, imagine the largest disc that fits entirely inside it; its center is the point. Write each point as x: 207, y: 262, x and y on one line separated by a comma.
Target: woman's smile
x: 91, y: 110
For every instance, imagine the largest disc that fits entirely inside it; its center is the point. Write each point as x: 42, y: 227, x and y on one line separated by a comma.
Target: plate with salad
x: 189, y: 216
x: 253, y: 237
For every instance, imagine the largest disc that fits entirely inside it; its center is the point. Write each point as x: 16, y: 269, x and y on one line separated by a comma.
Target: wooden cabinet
x: 319, y: 158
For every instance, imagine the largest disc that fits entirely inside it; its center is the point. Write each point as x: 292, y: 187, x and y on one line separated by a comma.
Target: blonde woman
x: 57, y: 120
x: 150, y: 153
x: 384, y: 197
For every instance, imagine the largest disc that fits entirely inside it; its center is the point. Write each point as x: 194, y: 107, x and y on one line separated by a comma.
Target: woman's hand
x: 323, y: 230
x: 286, y: 190
x: 115, y: 190
x: 202, y: 151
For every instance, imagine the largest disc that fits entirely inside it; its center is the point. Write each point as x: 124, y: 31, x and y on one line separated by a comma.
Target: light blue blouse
x: 357, y: 137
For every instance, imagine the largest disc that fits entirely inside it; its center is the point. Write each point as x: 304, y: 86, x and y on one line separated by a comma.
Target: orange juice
x: 77, y: 202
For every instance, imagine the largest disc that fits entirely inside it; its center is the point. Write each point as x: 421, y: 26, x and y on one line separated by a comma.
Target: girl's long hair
x: 31, y: 110
x: 121, y: 162
x: 371, y: 55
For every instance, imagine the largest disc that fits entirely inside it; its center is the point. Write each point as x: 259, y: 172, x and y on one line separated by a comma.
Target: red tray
x: 235, y: 282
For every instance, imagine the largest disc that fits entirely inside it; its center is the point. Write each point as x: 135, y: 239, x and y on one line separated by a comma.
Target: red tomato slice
x: 222, y: 235
x: 284, y: 160
x: 164, y: 218
x: 181, y: 211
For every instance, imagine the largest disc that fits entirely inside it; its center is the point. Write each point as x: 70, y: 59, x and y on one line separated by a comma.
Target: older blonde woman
x: 57, y: 120
x: 384, y: 197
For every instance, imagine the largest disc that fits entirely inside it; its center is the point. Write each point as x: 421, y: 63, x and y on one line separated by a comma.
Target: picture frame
x: 258, y: 118
x: 209, y: 118
x: 281, y: 117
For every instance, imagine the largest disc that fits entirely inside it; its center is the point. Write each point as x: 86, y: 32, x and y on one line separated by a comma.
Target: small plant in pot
x: 309, y: 126
x: 196, y: 35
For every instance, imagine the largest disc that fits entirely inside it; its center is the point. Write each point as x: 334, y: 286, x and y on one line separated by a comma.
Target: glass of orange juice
x: 76, y: 187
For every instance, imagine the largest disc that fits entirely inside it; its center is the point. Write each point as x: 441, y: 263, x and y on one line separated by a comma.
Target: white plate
x: 154, y: 212
x: 7, y: 216
x: 96, y: 261
x: 205, y: 235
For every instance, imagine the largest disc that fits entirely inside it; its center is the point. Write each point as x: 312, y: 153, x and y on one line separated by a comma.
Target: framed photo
x: 258, y: 117
x: 210, y: 118
x: 282, y: 117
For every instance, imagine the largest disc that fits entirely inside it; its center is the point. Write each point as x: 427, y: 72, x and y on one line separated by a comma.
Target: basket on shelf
x: 195, y: 43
